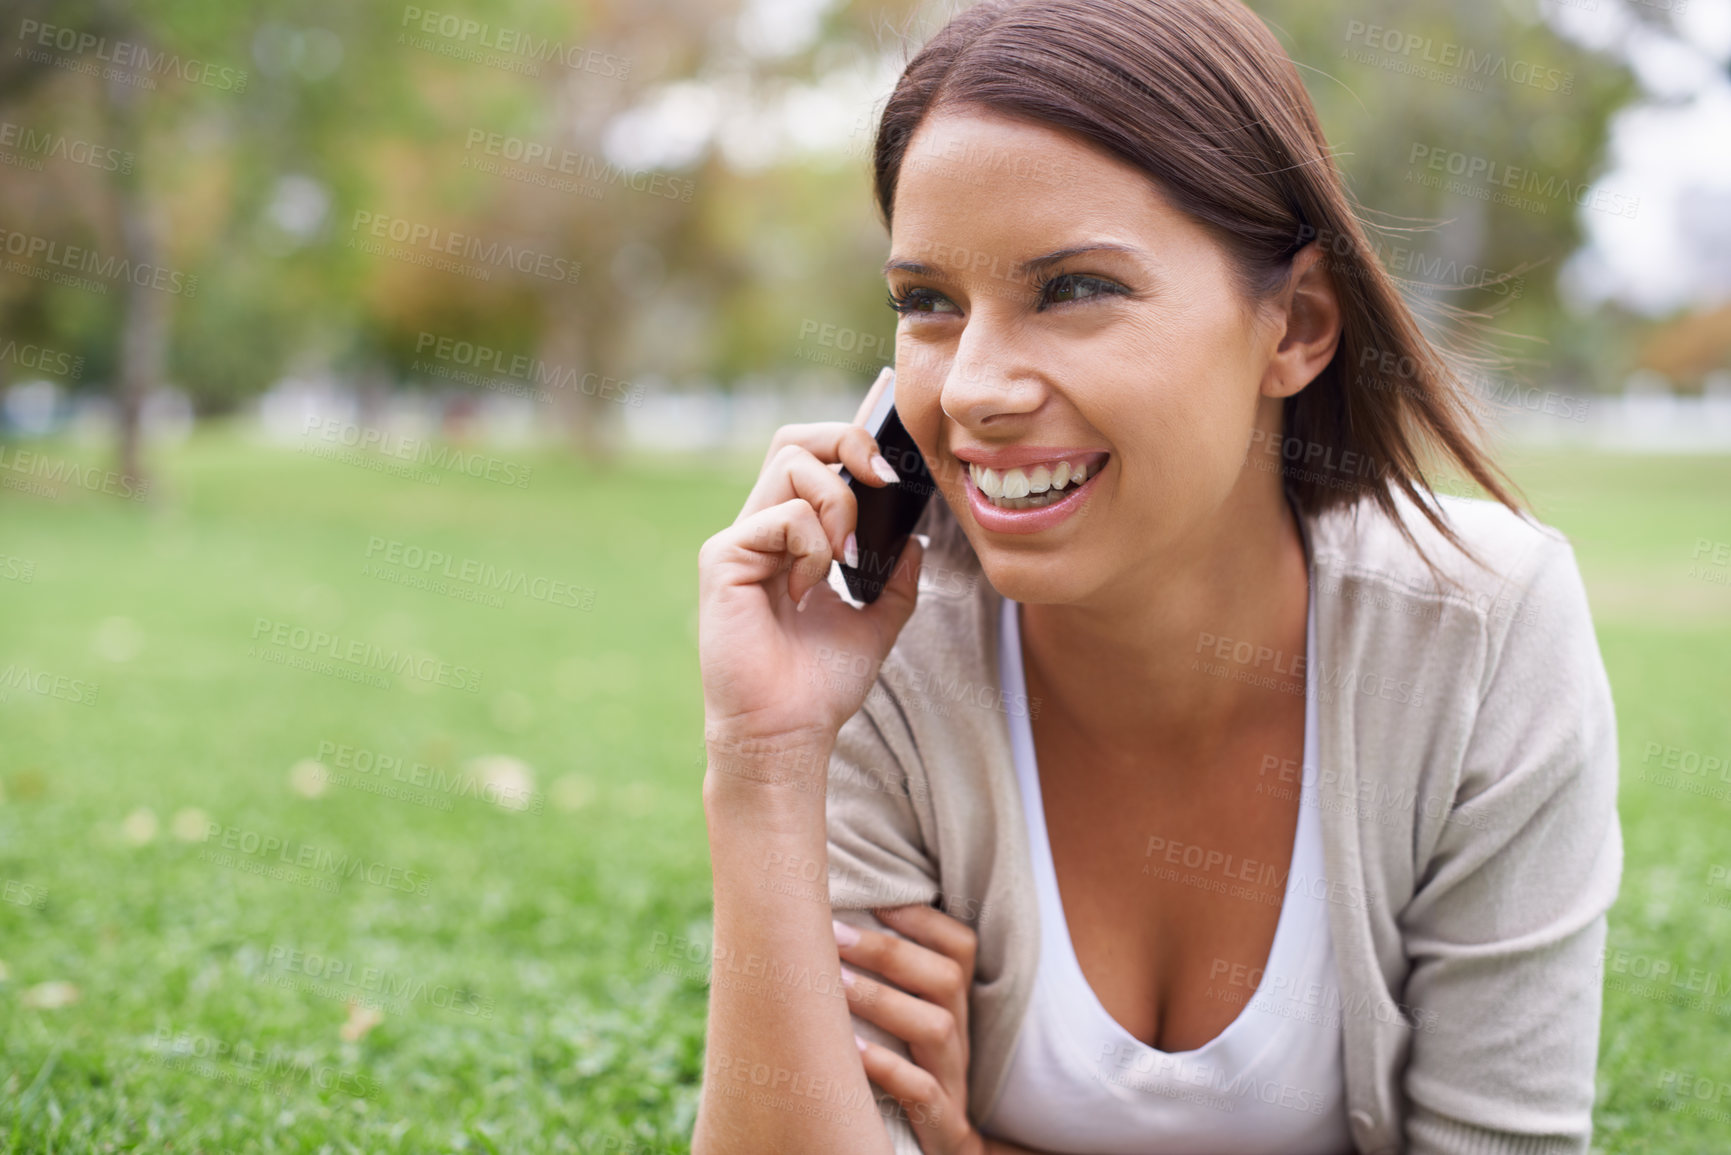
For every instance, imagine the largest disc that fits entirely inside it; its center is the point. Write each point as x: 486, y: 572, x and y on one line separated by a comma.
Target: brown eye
x: 918, y: 301
x: 1068, y: 287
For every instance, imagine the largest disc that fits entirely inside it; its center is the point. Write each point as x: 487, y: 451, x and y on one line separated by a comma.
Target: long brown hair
x: 1202, y: 97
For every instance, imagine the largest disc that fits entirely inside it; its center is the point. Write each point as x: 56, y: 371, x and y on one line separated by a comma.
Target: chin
x: 1031, y: 576
x: 1033, y: 579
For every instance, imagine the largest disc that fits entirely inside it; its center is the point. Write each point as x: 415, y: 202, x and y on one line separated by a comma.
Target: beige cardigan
x: 1467, y: 785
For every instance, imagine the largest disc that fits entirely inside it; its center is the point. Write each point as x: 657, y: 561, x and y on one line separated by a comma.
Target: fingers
x: 934, y: 966
x: 912, y: 1085
x: 915, y: 967
x: 864, y: 458
x: 932, y: 1018
x: 886, y: 378
x: 833, y: 442
x: 931, y: 927
x: 930, y: 1030
x: 796, y: 474
x: 755, y: 548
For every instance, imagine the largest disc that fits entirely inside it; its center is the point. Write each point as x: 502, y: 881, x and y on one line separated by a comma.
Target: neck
x: 1142, y: 662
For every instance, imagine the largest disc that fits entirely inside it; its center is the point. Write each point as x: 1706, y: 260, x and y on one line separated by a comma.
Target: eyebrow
x: 1032, y: 265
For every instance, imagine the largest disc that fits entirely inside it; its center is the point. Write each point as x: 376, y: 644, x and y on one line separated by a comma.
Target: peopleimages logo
x: 276, y: 1069
x: 42, y: 359
x: 347, y: 435
x: 524, y: 51
x: 421, y: 666
x: 124, y: 54
x: 46, y: 683
x: 563, y: 162
x: 486, y: 361
x: 339, y: 977
x: 1482, y: 178
x: 471, y: 571
x: 60, y: 260
x: 437, y: 243
x: 35, y: 146
x: 1457, y: 58
x: 306, y: 856
x: 57, y: 472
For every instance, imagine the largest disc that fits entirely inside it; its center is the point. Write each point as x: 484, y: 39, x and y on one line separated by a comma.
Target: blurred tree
x: 1396, y: 84
x: 259, y: 181
x: 130, y: 84
x: 1412, y: 93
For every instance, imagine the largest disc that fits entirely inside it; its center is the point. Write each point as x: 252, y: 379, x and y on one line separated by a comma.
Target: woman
x: 1227, y: 791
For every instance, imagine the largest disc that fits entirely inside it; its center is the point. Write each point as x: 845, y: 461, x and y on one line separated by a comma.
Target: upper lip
x: 1017, y: 456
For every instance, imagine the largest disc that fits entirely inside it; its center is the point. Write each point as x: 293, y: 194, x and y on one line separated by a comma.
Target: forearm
x: 782, y: 1073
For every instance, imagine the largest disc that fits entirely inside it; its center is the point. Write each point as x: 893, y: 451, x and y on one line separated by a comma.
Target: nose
x: 987, y: 382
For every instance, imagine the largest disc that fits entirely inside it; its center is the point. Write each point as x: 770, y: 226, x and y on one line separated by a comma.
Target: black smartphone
x: 887, y: 513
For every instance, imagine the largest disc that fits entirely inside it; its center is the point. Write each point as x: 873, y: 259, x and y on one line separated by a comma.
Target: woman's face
x: 1055, y: 308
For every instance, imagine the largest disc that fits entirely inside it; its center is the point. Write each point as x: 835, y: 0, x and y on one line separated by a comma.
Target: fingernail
x: 847, y: 977
x: 860, y: 1043
x: 844, y: 934
x: 799, y: 607
x: 884, y: 469
x: 850, y: 552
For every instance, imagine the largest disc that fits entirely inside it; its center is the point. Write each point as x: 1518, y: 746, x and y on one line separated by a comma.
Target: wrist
x: 781, y: 778
x: 774, y: 759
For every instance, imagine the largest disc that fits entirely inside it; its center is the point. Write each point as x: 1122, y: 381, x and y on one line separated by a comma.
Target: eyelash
x: 903, y: 303
x: 1103, y: 286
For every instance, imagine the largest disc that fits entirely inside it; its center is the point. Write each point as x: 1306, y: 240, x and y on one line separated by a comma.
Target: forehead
x: 981, y: 182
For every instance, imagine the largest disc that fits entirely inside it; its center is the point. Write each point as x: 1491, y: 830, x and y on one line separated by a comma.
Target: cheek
x: 919, y: 389
x: 1194, y: 404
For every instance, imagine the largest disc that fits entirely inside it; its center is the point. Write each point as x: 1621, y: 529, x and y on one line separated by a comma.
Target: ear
x: 1309, y: 318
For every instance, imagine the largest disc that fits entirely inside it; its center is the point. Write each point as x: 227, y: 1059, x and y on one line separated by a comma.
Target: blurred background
x: 370, y: 374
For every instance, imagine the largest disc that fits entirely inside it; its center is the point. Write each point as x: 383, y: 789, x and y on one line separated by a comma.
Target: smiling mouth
x: 1032, y: 488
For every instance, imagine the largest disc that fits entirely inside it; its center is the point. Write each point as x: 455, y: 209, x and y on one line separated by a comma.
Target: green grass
x: 559, y: 919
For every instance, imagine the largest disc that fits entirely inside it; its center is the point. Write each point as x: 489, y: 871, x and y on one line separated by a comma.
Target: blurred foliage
x: 255, y: 188
x: 1377, y: 117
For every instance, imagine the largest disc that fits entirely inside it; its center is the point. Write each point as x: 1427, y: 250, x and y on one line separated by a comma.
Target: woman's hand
x: 770, y: 669
x: 929, y: 1013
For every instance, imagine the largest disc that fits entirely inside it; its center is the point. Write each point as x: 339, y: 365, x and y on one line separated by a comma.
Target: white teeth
x: 1016, y: 489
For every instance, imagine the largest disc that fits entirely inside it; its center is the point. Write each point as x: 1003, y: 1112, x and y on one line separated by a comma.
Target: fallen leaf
x: 505, y: 781
x: 191, y: 825
x: 308, y: 778
x: 139, y: 827
x: 51, y: 995
x: 362, y: 1019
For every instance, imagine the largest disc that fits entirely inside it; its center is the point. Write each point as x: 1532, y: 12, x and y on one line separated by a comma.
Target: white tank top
x: 1271, y: 1083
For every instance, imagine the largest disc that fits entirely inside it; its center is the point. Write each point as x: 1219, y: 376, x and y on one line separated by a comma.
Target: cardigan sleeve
x: 877, y: 852
x: 1506, y: 930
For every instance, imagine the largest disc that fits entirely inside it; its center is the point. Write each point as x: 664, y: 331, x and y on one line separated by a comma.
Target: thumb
x: 896, y: 604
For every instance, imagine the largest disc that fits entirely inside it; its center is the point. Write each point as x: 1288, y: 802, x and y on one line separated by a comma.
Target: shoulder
x: 1363, y: 541
x: 1514, y: 689
x: 1508, y: 570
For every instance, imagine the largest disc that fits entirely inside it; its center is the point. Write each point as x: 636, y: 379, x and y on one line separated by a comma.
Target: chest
x: 1172, y: 870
